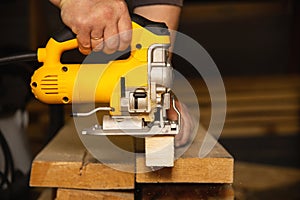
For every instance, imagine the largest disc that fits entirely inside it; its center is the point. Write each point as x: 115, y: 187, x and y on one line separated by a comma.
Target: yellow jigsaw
x: 137, y: 89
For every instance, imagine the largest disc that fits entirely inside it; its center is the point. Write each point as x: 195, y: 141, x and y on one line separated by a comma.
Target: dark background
x: 244, y: 38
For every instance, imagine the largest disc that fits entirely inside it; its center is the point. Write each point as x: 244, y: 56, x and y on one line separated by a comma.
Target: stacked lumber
x: 256, y: 105
x: 66, y: 164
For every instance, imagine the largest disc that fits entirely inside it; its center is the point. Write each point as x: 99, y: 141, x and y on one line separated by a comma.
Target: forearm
x: 168, y: 14
x: 55, y: 2
x: 162, y: 13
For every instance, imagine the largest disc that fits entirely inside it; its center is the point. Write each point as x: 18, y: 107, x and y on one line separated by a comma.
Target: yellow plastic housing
x: 57, y: 83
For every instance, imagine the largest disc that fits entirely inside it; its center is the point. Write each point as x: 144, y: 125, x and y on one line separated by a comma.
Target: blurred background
x: 256, y: 47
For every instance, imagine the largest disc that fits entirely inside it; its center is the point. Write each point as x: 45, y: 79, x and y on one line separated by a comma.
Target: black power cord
x: 23, y: 57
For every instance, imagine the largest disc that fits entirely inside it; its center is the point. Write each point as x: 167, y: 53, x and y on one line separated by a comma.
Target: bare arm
x: 168, y: 14
x: 162, y: 13
x: 55, y: 2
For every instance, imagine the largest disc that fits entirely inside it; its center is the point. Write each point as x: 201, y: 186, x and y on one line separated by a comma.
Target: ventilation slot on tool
x: 49, y: 84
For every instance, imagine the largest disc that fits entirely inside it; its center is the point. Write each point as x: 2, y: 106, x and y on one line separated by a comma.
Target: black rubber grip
x: 158, y: 28
x: 64, y: 34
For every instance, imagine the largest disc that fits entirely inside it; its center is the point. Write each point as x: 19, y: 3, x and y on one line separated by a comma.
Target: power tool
x: 137, y: 89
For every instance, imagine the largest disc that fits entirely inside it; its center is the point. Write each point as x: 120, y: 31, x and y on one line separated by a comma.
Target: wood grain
x: 216, y: 167
x: 256, y: 106
x: 159, y: 151
x: 73, y: 194
x: 64, y: 162
x: 187, y: 191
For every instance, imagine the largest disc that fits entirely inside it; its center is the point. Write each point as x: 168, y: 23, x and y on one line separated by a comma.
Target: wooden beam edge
x: 74, y: 175
x: 73, y: 194
x: 190, y: 170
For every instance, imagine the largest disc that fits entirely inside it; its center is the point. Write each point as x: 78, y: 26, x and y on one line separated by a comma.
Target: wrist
x: 56, y: 2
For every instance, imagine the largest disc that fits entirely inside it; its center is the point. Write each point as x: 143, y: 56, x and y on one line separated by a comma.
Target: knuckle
x: 112, y: 42
x: 123, y: 45
x: 82, y: 23
x: 97, y: 46
x: 83, y: 43
x: 122, y: 6
x: 108, y: 51
x: 108, y: 13
x: 84, y: 51
x: 125, y: 36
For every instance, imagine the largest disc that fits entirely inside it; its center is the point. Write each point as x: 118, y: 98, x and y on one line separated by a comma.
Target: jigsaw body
x: 137, y: 89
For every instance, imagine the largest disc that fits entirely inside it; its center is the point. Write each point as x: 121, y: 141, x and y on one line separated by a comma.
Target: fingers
x: 83, y: 38
x: 99, y: 24
x: 125, y: 33
x: 117, y: 36
x: 97, y: 43
x: 97, y: 40
x: 89, y: 39
x: 111, y: 39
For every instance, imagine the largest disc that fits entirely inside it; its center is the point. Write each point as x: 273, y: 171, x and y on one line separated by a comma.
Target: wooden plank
x: 159, y: 151
x: 64, y: 162
x: 249, y: 96
x: 262, y: 82
x: 187, y: 191
x: 73, y: 194
x: 216, y: 167
x: 254, y: 131
x: 262, y: 177
x: 257, y: 120
x: 250, y: 83
x: 249, y: 88
x: 255, y: 105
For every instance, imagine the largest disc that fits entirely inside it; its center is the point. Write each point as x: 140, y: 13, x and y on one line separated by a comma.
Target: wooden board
x: 73, y: 194
x: 186, y: 191
x: 159, y: 151
x: 216, y: 167
x: 256, y: 106
x: 64, y: 162
x: 261, y: 181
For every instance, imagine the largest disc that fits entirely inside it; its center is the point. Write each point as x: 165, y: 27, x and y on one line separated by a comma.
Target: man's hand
x: 95, y: 22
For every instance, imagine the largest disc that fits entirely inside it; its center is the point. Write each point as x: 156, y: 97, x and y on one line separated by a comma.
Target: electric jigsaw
x: 137, y: 89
